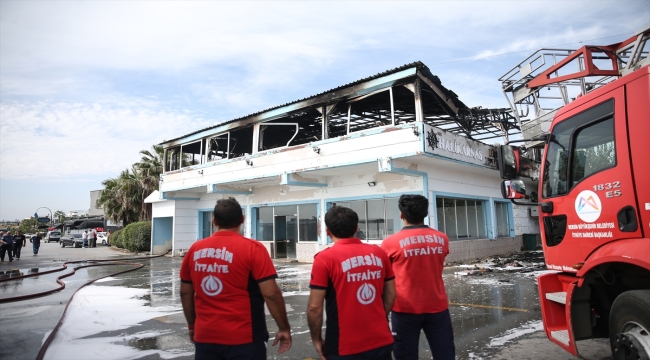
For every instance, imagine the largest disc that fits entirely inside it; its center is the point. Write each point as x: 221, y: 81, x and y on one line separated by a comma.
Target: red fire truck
x: 590, y: 153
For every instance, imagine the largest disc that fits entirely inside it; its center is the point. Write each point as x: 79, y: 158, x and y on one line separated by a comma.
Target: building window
x: 287, y: 222
x: 378, y: 219
x: 192, y: 153
x: 503, y: 219
x: 461, y: 218
x: 285, y: 226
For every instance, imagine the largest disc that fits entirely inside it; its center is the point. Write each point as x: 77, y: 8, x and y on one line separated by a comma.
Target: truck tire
x: 61, y: 244
x: 629, y: 325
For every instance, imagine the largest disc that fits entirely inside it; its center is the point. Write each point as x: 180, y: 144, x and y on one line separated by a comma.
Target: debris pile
x: 525, y: 262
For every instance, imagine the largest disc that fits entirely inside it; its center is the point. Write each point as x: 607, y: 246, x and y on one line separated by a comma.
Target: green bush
x: 116, y: 238
x: 137, y: 236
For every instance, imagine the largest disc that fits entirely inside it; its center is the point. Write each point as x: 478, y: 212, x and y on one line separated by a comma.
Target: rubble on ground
x: 521, y: 262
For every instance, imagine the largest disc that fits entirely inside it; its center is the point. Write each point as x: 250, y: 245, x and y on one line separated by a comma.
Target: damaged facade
x: 360, y: 145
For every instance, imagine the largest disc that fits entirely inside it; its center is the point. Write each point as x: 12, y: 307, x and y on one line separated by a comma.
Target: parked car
x: 102, y: 236
x: 54, y: 235
x: 71, y: 240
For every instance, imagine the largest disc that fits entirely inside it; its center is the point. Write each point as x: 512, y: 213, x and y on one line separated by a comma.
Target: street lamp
x: 48, y: 209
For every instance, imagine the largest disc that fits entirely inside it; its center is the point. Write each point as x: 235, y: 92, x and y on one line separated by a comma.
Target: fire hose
x: 93, y: 263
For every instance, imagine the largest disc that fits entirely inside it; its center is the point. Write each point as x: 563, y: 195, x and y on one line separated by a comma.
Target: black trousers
x: 437, y: 328
x: 381, y: 353
x: 250, y: 351
x: 8, y: 249
x: 17, y: 249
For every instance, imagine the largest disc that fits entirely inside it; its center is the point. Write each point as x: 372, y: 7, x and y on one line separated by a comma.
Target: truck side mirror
x: 513, y: 189
x: 508, y: 158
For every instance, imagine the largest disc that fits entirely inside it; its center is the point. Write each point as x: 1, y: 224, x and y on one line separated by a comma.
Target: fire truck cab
x: 594, y: 201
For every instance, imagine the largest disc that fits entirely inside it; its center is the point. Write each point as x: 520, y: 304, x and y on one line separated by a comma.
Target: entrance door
x: 286, y: 236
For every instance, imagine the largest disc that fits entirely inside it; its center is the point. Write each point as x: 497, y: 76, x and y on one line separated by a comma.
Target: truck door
x: 586, y: 176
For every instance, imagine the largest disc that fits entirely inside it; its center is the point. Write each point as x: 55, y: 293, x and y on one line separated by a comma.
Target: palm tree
x: 122, y: 197
x: 150, y: 167
x: 59, y: 215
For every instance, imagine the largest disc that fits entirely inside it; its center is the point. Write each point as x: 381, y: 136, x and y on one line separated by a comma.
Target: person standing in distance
x: 225, y: 280
x: 84, y: 238
x: 19, y: 243
x: 36, y: 243
x: 357, y: 282
x: 7, y: 245
x: 417, y: 254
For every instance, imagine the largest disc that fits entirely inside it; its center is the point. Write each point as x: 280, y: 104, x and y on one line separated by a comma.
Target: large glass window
x: 308, y: 220
x: 292, y: 222
x: 461, y: 218
x: 377, y: 218
x: 264, y: 224
x: 593, y: 149
x: 503, y: 219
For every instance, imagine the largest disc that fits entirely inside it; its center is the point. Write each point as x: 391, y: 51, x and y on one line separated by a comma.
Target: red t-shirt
x: 353, y: 274
x: 417, y: 254
x: 225, y: 270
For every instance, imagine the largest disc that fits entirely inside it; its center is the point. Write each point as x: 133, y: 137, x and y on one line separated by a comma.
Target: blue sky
x: 85, y: 85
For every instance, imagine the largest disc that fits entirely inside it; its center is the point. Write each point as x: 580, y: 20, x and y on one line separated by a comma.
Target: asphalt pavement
x: 137, y: 314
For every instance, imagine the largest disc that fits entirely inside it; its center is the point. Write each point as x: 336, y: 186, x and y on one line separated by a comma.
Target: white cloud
x: 68, y: 69
x: 73, y: 141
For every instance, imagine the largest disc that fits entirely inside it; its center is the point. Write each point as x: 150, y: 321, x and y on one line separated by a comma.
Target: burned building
x: 360, y: 145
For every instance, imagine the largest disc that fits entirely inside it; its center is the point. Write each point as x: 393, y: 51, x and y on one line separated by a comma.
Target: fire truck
x: 585, y: 120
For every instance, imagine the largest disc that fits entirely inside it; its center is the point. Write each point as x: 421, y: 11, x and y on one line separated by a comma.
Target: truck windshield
x: 583, y: 144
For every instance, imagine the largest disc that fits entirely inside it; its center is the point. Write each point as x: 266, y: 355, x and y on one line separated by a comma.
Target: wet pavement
x: 137, y: 315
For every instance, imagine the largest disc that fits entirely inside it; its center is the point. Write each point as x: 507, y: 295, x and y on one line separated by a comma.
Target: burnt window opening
x: 404, y: 104
x: 173, y: 158
x: 296, y: 129
x: 370, y: 111
x: 241, y: 142
x: 434, y: 113
x: 192, y: 153
x: 275, y: 135
x: 337, y: 121
x: 217, y: 147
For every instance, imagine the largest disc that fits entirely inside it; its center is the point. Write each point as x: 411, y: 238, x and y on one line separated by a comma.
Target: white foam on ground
x: 93, y: 311
x: 488, y: 282
x: 527, y: 328
x: 110, y: 278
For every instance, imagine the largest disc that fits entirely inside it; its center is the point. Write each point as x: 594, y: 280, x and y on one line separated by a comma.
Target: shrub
x: 116, y: 238
x: 137, y: 236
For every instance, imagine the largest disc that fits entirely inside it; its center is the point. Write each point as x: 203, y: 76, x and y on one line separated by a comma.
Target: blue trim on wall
x: 212, y: 189
x: 285, y: 179
x: 369, y: 197
x: 457, y: 161
x: 163, y: 196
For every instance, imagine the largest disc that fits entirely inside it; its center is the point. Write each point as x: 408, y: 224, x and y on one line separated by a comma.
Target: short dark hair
x: 414, y: 208
x: 342, y: 222
x: 227, y: 213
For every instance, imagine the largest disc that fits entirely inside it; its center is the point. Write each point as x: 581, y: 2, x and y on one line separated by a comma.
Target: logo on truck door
x: 588, y: 206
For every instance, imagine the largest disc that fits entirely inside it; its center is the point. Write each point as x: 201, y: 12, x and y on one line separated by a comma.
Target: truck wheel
x: 629, y: 325
x: 61, y: 244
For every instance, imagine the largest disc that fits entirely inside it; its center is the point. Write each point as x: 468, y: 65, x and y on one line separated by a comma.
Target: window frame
x: 601, y: 112
x: 201, y: 141
x: 207, y: 146
x: 253, y: 219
